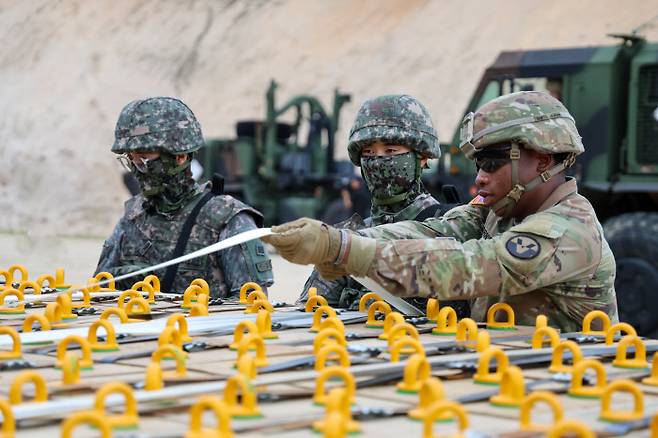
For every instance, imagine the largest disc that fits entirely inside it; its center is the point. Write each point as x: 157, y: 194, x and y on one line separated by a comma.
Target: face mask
x: 389, y: 178
x: 166, y: 184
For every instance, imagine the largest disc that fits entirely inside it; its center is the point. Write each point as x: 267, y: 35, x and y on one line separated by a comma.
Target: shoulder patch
x: 523, y: 247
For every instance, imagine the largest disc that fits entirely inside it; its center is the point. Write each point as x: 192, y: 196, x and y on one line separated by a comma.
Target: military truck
x: 612, y: 92
x: 283, y: 165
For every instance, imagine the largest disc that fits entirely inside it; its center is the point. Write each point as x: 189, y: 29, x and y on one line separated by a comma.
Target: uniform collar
x: 562, y: 191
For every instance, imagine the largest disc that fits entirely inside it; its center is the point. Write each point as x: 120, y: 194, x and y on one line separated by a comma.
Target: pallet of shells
x: 90, y: 360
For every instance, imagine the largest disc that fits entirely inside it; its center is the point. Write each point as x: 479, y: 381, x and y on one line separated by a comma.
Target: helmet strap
x: 508, y: 203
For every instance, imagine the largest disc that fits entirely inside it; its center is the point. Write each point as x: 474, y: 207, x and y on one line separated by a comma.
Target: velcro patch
x: 523, y: 247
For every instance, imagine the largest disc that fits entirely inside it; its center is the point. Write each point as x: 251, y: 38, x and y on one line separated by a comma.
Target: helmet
x: 400, y: 119
x: 157, y: 124
x: 533, y: 119
x: 529, y: 119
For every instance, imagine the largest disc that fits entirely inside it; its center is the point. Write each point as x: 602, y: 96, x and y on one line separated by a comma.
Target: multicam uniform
x: 554, y: 262
x: 149, y: 230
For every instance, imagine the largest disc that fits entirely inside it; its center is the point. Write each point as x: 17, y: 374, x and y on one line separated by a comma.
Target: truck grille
x: 647, y: 125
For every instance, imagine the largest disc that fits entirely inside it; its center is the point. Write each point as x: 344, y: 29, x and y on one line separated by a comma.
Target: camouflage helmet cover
x: 398, y: 119
x: 157, y: 124
x: 535, y: 119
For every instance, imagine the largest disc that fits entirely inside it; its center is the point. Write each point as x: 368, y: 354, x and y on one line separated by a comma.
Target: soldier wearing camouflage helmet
x: 528, y: 239
x: 156, y: 139
x: 391, y: 141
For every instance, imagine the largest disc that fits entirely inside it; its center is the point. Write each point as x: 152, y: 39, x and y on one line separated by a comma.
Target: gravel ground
x: 78, y: 256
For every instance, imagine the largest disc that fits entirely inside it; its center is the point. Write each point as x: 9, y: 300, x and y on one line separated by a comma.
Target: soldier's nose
x: 482, y: 178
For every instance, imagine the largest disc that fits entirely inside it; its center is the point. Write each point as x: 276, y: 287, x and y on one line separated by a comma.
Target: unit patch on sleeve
x: 523, y: 247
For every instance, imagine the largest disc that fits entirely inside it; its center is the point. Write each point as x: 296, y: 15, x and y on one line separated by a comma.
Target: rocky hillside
x: 68, y: 67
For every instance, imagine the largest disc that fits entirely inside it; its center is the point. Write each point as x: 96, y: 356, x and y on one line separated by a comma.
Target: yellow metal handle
x: 173, y: 351
x: 432, y: 309
x: 260, y: 305
x: 438, y: 410
x: 333, y: 372
x: 315, y: 300
x: 319, y: 313
x: 467, y: 330
x: 190, y: 296
x: 401, y: 330
x: 221, y: 411
x: 491, y: 317
x: 36, y: 287
x: 203, y: 284
x: 137, y: 306
x: 36, y: 317
x: 85, y: 360
x: 201, y: 306
x: 145, y: 287
x: 621, y: 356
x: 390, y: 320
x: 596, y: 315
x: 66, y: 305
x: 407, y: 344
x: 15, y: 352
x: 416, y: 371
x: 242, y: 328
x: 153, y: 380
x: 70, y: 369
x: 110, y: 343
x: 129, y: 417
x: 363, y: 302
x: 115, y: 311
x: 577, y: 390
x: 483, y: 375
x: 154, y: 281
x: 127, y: 295
x: 446, y: 322
x: 60, y: 281
x: 652, y: 380
x: 526, y: 409
x: 512, y: 388
x: 328, y: 334
x: 557, y: 363
x: 256, y: 295
x: 543, y: 332
x: 96, y: 419
x: 86, y: 297
x: 246, y: 288
x: 20, y: 268
x: 483, y: 342
x: 8, y: 421
x: 377, y: 307
x: 334, y: 323
x: 247, y: 406
x: 332, y: 350
x: 431, y: 391
x: 618, y: 328
x: 46, y: 278
x: 630, y: 387
x: 250, y: 341
x: 16, y: 388
x: 106, y: 276
x: 170, y: 335
x: 9, y: 291
x: 178, y: 321
x: 570, y: 428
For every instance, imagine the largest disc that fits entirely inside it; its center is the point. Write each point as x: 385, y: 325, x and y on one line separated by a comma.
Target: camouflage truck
x: 612, y: 92
x: 285, y: 169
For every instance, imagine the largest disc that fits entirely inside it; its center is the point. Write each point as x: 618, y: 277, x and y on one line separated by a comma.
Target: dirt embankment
x: 68, y: 67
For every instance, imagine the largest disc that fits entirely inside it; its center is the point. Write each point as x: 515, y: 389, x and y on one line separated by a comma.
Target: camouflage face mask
x: 166, y: 184
x: 390, y: 178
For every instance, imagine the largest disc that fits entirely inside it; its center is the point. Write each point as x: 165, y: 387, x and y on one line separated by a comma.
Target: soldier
x: 157, y: 139
x: 528, y: 239
x: 391, y: 140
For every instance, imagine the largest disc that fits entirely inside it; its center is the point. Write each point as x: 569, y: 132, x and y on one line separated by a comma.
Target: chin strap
x: 508, y: 203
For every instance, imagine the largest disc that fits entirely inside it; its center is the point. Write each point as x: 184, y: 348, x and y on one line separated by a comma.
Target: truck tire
x: 634, y: 242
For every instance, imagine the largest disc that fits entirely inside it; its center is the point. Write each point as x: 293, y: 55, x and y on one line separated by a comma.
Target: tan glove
x: 330, y: 271
x: 305, y: 241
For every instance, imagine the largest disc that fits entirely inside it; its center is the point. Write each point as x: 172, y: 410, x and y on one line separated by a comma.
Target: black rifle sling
x: 170, y: 273
x: 427, y: 213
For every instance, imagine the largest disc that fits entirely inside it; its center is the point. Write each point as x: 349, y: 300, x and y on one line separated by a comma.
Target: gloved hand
x: 305, y: 241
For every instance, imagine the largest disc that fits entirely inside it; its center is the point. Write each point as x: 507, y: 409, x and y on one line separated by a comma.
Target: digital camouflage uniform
x: 148, y: 232
x: 554, y: 262
x: 393, y: 181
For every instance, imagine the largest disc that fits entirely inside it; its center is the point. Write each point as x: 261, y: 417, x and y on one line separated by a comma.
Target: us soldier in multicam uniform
x: 391, y: 140
x: 528, y: 239
x: 157, y: 138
